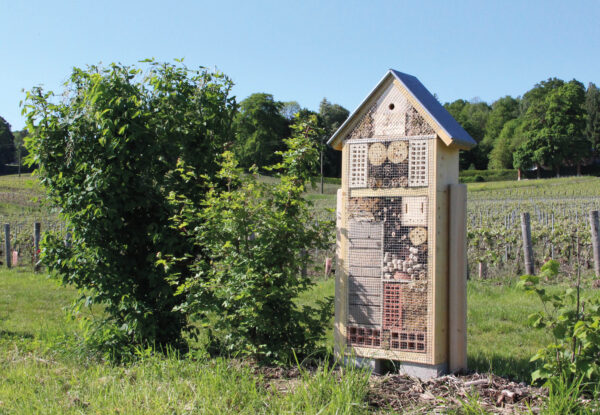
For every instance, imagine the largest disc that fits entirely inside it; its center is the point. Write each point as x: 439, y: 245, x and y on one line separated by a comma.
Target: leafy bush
x: 257, y: 236
x: 106, y: 150
x: 575, y: 326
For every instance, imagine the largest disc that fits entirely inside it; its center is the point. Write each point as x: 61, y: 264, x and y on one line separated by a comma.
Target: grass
x: 498, y: 339
x: 43, y: 372
x: 556, y: 187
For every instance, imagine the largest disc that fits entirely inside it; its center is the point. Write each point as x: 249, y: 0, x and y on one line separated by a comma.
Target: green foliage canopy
x: 7, y: 146
x: 575, y: 327
x: 106, y: 154
x: 592, y: 106
x: 473, y: 117
x: 510, y: 137
x: 554, y: 125
x: 260, y: 129
x: 332, y: 116
x: 257, y: 236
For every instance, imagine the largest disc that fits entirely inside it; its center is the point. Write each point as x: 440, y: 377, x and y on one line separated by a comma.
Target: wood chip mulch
x: 486, y: 392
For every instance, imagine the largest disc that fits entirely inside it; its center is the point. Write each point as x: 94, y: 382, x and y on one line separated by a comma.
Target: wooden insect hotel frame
x: 401, y: 215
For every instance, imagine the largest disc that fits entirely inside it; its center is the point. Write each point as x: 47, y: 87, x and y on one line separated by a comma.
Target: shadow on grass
x: 517, y: 369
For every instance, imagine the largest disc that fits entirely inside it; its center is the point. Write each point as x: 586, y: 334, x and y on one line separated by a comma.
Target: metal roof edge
x: 399, y: 79
x: 350, y: 118
x: 459, y: 138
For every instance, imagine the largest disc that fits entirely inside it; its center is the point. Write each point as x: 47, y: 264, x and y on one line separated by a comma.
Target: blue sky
x: 307, y: 50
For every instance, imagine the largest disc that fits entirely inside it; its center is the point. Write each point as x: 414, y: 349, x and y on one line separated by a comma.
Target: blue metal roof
x: 428, y: 102
x: 435, y: 109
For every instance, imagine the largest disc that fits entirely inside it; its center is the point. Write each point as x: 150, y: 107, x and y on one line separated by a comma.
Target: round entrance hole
x: 391, y: 106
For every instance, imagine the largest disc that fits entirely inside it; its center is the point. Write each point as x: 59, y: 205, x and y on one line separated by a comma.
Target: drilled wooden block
x: 365, y: 230
x: 358, y: 165
x: 414, y: 211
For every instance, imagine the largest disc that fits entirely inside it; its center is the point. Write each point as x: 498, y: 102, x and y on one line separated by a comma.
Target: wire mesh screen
x: 388, y: 244
x: 398, y: 163
x: 390, y: 116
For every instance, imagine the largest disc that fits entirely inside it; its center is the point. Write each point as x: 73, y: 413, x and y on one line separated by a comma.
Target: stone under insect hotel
x: 401, y: 217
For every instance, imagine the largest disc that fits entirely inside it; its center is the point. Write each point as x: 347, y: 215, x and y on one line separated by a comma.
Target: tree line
x: 554, y: 124
x: 260, y: 126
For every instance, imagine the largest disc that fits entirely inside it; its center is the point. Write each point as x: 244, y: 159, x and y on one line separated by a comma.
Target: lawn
x: 45, y: 371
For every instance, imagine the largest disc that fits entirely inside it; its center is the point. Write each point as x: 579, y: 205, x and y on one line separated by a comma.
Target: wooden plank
x: 364, y: 314
x: 364, y: 286
x: 363, y: 298
x: 366, y: 243
x: 365, y: 230
x: 370, y: 272
x: 527, y: 246
x: 414, y: 191
x: 446, y: 173
x: 365, y: 257
x: 7, y: 250
x: 401, y: 356
x: 457, y: 286
x: 594, y: 225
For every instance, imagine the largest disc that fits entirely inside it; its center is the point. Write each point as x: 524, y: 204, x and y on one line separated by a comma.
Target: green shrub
x: 256, y: 235
x: 106, y: 150
x: 575, y: 326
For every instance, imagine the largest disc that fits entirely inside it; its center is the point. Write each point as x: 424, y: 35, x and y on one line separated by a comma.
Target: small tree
x: 257, y: 236
x: 259, y: 130
x: 574, y: 324
x: 106, y: 154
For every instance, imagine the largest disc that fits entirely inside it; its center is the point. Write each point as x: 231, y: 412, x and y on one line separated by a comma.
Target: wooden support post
x: 552, y: 244
x: 482, y: 271
x: 7, y: 251
x: 527, y: 248
x: 457, y: 275
x: 595, y: 241
x: 36, y: 244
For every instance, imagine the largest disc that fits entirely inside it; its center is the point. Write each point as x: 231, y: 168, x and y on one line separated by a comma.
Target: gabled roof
x: 445, y: 126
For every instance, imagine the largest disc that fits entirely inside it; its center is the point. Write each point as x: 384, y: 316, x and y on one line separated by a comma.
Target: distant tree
x: 332, y: 116
x: 592, y: 107
x: 473, y: 117
x: 538, y: 93
x: 20, y: 149
x: 503, y: 110
x: 289, y: 109
x: 7, y: 145
x: 554, y: 125
x: 511, y: 137
x: 259, y: 130
x: 523, y: 158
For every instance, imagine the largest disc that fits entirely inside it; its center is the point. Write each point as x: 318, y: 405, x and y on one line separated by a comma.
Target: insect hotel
x: 401, y: 218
